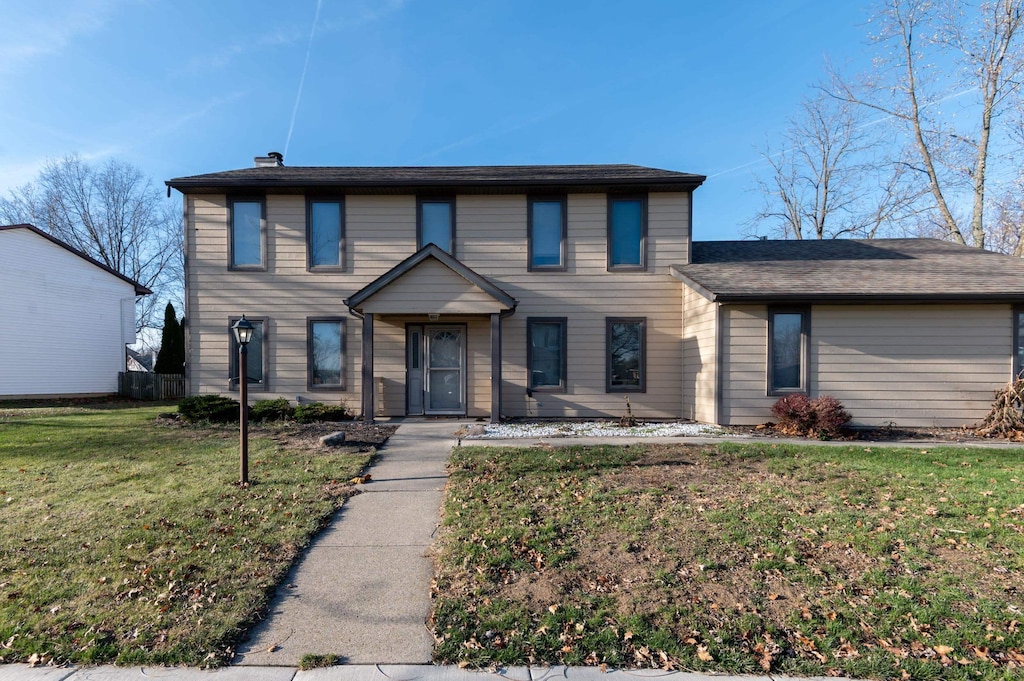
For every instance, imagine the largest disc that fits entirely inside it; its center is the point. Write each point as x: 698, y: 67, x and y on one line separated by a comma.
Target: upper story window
x: 788, y: 335
x: 546, y: 218
x: 325, y: 234
x: 247, y: 233
x: 627, y: 233
x: 435, y: 223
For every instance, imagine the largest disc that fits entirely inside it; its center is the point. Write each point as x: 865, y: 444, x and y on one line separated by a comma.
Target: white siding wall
x: 912, y: 365
x: 491, y: 239
x: 60, y: 320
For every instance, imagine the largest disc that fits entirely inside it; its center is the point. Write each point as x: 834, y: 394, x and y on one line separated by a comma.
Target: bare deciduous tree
x: 831, y: 179
x: 112, y: 213
x: 930, y: 54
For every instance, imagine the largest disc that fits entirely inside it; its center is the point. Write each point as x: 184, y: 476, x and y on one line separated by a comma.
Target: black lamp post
x: 243, y: 329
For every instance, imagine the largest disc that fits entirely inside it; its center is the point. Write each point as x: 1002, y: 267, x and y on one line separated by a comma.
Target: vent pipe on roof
x: 273, y: 159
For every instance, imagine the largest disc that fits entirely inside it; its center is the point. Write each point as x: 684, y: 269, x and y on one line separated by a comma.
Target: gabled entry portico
x: 438, y: 303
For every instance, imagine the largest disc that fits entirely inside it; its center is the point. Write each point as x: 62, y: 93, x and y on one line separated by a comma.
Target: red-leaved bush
x: 823, y: 417
x: 795, y: 414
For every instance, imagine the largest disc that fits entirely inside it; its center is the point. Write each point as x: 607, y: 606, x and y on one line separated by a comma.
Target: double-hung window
x: 546, y: 226
x: 545, y: 353
x: 627, y: 233
x: 1018, y: 342
x: 435, y: 223
x: 626, y: 347
x: 325, y: 234
x: 256, y: 357
x: 788, y: 336
x: 326, y: 350
x: 247, y: 227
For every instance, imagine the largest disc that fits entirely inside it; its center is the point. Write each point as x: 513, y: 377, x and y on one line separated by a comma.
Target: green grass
x: 123, y: 540
x: 817, y: 560
x: 313, y: 661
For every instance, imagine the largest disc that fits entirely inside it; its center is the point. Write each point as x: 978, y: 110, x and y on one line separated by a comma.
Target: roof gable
x: 431, y: 281
x: 140, y: 290
x: 850, y: 270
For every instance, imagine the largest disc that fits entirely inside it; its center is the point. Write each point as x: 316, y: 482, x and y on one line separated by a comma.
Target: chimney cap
x: 271, y: 160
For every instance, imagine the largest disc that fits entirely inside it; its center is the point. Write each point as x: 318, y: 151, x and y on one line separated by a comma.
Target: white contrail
x: 302, y: 80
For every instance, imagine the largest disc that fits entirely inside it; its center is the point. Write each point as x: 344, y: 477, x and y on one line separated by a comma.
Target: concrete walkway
x: 362, y: 589
x: 18, y: 672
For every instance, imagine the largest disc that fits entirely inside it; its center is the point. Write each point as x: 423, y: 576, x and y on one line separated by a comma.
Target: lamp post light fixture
x: 243, y: 329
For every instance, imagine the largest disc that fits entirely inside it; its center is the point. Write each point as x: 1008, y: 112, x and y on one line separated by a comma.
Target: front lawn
x: 126, y: 540
x: 814, y: 560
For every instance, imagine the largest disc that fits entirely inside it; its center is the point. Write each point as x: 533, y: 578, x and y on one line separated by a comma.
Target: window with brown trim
x: 1018, y: 341
x: 626, y: 360
x: 325, y: 234
x: 435, y: 223
x: 325, y: 347
x: 788, y: 338
x: 546, y: 353
x: 546, y: 233
x: 247, y: 233
x: 256, y: 360
x: 627, y: 233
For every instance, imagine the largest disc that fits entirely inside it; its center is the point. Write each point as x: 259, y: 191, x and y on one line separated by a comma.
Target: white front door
x: 444, y: 363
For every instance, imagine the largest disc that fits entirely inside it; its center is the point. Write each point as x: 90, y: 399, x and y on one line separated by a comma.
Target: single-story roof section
x: 464, y: 179
x: 850, y: 270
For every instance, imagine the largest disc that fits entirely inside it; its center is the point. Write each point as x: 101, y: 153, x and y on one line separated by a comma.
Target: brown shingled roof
x: 424, y: 178
x: 850, y: 270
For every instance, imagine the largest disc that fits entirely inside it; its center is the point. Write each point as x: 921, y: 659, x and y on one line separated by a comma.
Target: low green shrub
x: 317, y: 411
x: 272, y: 410
x: 213, y: 408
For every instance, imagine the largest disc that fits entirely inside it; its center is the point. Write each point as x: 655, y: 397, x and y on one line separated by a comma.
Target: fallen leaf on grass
x: 703, y: 654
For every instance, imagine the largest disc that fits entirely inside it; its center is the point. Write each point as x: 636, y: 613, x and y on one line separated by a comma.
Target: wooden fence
x: 141, y: 385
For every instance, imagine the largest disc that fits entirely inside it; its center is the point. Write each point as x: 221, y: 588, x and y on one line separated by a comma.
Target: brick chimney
x: 273, y: 159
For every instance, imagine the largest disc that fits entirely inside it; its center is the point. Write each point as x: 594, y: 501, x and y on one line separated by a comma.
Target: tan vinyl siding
x: 431, y: 287
x: 700, y: 351
x: 912, y: 365
x: 744, y: 365
x: 923, y: 365
x: 492, y: 240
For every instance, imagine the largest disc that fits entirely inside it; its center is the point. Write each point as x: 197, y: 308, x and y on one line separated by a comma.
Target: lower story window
x: 256, y: 356
x: 1018, y: 342
x: 788, y: 333
x: 326, y: 347
x: 626, y: 343
x: 546, y: 353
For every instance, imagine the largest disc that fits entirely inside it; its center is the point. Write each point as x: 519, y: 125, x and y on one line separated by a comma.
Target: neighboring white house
x: 64, y: 318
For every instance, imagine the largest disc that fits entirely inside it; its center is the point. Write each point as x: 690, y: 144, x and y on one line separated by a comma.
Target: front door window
x: 445, y: 353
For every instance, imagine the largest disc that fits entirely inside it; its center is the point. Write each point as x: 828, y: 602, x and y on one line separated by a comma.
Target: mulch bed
x: 951, y: 435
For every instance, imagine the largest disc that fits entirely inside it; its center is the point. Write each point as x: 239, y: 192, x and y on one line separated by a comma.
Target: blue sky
x: 185, y: 87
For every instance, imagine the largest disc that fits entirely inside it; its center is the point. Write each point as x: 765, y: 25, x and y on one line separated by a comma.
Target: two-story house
x: 563, y: 291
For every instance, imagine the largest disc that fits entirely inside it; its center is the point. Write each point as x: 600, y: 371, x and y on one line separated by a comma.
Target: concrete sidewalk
x: 17, y: 672
x: 362, y: 589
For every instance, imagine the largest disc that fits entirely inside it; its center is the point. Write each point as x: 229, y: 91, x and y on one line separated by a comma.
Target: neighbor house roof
x: 140, y: 290
x: 850, y: 270
x: 466, y: 179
